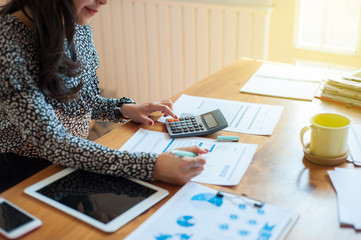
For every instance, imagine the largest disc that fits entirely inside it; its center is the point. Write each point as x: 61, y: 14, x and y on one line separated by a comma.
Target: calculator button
x: 181, y: 119
x: 170, y: 120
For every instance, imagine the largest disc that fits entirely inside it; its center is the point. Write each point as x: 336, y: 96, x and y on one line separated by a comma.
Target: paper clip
x: 241, y: 199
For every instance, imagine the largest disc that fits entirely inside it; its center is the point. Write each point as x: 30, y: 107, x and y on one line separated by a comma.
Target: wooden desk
x: 278, y: 173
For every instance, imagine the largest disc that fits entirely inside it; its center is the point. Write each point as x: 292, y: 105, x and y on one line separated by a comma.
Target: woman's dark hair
x: 54, y: 21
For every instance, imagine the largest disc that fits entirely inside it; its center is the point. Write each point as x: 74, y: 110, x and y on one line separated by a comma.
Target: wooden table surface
x: 278, y: 174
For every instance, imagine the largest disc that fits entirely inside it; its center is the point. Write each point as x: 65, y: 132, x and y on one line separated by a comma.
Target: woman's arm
x: 38, y: 125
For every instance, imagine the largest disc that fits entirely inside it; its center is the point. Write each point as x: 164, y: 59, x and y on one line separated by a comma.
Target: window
x: 331, y: 26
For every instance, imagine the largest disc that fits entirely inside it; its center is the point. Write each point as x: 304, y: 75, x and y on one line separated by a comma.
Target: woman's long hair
x: 53, y: 21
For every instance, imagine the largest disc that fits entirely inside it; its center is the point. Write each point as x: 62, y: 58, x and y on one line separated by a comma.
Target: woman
x: 49, y: 93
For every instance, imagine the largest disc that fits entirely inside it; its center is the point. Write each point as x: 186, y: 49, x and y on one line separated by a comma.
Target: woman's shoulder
x: 16, y: 40
x: 13, y: 31
x: 85, y: 45
x: 18, y: 64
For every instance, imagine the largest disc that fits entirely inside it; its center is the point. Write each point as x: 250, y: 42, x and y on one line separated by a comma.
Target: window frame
x: 322, y: 48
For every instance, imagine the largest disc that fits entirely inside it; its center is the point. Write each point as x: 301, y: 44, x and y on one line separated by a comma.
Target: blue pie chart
x: 206, y: 201
x: 186, y: 221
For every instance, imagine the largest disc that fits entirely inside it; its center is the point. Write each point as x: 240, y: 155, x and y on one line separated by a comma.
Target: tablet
x: 103, y: 201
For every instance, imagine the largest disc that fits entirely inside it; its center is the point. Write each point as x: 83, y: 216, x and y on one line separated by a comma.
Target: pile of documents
x: 345, y: 89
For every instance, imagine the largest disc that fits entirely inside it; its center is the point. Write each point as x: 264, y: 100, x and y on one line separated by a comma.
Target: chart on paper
x: 226, y: 161
x: 197, y: 212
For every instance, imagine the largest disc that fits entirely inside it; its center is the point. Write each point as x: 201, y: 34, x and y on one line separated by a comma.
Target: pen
x: 182, y: 153
x: 227, y: 138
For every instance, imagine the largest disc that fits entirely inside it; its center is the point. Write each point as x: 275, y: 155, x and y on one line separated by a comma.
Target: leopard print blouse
x: 35, y: 125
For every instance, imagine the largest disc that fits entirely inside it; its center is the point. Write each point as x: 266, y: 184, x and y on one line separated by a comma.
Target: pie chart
x: 206, y: 201
x: 186, y: 221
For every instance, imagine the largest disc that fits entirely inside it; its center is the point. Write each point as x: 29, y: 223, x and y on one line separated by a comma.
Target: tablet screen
x: 104, y: 201
x: 101, y: 197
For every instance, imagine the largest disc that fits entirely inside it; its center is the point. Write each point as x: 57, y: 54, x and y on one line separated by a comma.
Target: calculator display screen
x: 210, y: 120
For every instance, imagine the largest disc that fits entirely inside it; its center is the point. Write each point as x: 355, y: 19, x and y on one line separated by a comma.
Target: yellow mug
x: 329, y: 133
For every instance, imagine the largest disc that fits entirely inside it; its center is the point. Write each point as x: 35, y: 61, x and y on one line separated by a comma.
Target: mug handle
x: 303, y: 130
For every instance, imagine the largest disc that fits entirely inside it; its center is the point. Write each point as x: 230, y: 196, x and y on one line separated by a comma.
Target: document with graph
x: 202, y: 213
x: 286, y: 81
x: 226, y: 164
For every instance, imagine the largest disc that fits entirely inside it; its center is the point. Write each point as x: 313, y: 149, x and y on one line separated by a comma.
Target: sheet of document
x: 354, y: 143
x: 242, y: 117
x: 197, y: 212
x: 226, y: 161
x: 347, y: 184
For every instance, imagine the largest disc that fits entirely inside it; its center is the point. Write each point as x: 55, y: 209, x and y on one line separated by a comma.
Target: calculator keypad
x: 185, y: 125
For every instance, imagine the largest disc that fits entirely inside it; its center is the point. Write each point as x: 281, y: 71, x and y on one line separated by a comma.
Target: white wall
x: 260, y: 3
x: 153, y: 49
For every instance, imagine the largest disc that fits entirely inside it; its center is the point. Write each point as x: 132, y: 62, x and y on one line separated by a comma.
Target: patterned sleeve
x: 109, y: 109
x: 39, y: 125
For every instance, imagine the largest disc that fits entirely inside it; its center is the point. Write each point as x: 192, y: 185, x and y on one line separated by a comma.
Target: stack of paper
x: 340, y: 89
x: 347, y: 183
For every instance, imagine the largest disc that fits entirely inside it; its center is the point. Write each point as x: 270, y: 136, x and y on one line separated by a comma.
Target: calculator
x: 198, y: 125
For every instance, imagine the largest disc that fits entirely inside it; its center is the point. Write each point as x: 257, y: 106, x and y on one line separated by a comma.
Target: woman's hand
x: 179, y: 170
x: 140, y: 112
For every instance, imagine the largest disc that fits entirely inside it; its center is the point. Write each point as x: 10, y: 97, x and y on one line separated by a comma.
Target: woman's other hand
x: 140, y: 112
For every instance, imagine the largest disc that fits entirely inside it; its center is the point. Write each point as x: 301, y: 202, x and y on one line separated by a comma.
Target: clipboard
x: 200, y: 212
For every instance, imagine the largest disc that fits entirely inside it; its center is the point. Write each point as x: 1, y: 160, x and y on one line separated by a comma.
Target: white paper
x: 226, y: 162
x: 347, y: 183
x: 196, y: 212
x: 242, y: 117
x: 354, y: 142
